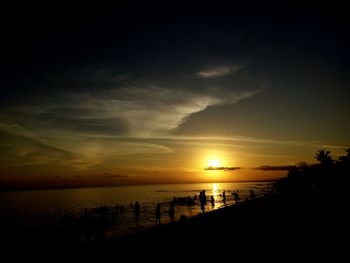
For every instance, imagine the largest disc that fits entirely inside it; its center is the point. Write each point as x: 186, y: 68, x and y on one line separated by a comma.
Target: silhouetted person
x: 224, y: 197
x: 212, y: 201
x: 183, y: 218
x: 103, y: 211
x: 137, y: 209
x: 158, y: 214
x: 252, y: 194
x: 189, y: 201
x: 172, y: 212
x: 202, y: 200
x: 236, y: 197
x: 86, y: 213
x: 204, y: 197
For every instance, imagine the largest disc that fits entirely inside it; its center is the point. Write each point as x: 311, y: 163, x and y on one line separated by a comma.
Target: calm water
x: 31, y: 208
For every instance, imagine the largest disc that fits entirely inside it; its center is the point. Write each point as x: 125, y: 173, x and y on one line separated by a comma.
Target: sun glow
x: 214, y: 164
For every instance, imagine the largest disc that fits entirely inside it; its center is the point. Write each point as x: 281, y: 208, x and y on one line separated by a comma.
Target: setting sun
x: 214, y: 163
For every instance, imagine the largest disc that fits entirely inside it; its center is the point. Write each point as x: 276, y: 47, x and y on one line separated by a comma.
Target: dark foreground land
x: 270, y: 227
x: 280, y: 226
x: 306, y: 218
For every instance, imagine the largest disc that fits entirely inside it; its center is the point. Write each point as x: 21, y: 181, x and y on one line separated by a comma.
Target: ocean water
x: 48, y: 207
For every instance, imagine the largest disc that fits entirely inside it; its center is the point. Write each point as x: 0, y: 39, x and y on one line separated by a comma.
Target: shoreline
x: 270, y: 222
x: 281, y: 222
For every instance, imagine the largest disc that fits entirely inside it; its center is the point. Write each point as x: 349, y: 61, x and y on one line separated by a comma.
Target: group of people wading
x: 191, y: 201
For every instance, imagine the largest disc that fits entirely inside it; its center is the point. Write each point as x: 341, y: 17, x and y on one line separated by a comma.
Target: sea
x: 36, y: 208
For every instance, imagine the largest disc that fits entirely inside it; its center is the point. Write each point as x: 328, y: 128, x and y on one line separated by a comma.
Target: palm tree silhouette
x: 346, y: 158
x: 324, y: 157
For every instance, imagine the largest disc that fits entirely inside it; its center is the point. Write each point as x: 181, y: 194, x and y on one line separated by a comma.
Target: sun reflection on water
x: 215, y: 189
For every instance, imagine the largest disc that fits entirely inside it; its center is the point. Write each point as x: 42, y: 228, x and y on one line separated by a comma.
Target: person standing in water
x: 252, y: 194
x: 202, y: 201
x: 236, y: 196
x: 158, y: 214
x: 212, y: 201
x: 137, y: 209
x: 172, y: 212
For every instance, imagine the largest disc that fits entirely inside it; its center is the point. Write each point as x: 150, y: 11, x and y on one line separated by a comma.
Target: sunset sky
x: 107, y: 94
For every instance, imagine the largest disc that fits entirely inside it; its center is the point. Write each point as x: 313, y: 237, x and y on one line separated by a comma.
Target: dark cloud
x: 276, y: 168
x: 149, y: 72
x: 128, y: 105
x: 222, y: 168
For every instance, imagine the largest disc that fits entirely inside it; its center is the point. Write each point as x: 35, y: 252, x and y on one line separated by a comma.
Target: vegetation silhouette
x: 324, y: 157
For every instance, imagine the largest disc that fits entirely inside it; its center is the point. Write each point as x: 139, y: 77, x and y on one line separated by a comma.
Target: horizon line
x: 19, y: 189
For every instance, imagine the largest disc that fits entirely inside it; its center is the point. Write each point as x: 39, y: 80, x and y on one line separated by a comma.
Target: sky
x: 129, y: 92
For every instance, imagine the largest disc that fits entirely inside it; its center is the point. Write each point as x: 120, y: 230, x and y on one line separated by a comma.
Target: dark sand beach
x: 270, y: 225
x: 302, y: 222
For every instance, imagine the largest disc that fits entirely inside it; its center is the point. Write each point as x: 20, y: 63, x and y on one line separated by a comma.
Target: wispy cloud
x: 79, y: 153
x: 218, y: 71
x: 133, y: 108
x: 226, y: 140
x: 86, y: 123
x: 156, y: 110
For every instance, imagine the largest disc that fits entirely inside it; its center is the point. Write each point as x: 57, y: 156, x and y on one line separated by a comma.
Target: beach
x: 277, y: 223
x: 267, y: 226
x: 63, y: 210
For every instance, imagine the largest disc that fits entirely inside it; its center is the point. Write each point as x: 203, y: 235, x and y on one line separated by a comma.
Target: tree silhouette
x: 346, y: 158
x: 324, y: 157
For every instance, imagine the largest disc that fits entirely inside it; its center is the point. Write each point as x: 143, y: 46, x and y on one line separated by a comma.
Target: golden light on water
x: 215, y: 189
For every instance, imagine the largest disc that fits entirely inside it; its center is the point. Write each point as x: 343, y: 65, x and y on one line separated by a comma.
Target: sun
x: 214, y: 163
